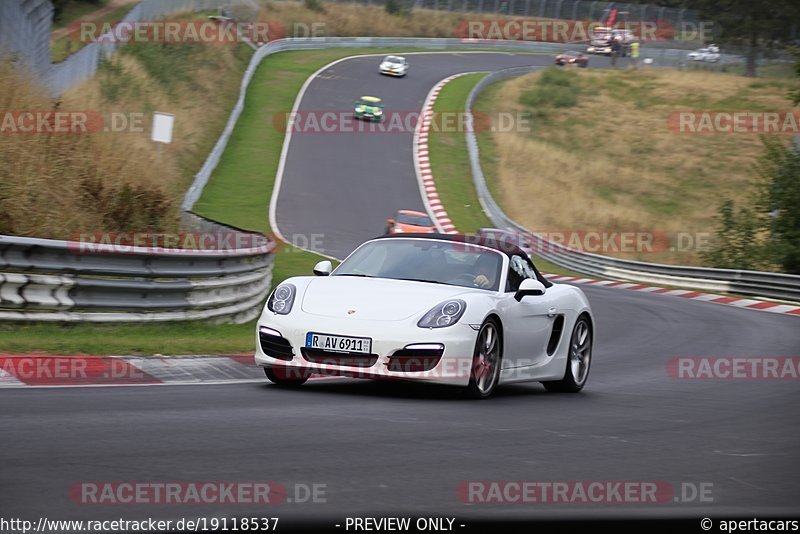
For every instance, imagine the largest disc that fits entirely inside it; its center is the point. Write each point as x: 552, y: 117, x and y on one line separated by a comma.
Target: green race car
x: 369, y: 108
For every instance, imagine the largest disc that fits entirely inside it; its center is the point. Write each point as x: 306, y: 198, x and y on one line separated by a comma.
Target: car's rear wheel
x: 485, y: 371
x: 579, y: 359
x: 283, y: 376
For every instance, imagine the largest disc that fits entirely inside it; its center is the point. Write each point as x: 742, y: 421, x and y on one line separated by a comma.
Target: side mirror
x: 323, y: 268
x: 390, y: 221
x: 529, y: 287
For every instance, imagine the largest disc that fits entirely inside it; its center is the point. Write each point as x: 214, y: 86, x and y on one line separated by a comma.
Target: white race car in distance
x: 710, y: 54
x: 436, y: 308
x: 394, y: 66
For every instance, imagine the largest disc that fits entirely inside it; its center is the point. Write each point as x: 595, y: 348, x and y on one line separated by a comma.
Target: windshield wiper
x: 420, y: 280
x: 356, y: 274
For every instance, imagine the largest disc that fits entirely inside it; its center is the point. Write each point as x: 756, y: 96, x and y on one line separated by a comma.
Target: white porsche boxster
x: 447, y: 309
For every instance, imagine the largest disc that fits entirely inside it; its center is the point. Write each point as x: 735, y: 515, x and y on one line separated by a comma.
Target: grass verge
x: 167, y: 339
x: 608, y: 141
x: 450, y: 161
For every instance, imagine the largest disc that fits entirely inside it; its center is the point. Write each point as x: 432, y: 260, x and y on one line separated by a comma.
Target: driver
x: 485, y: 271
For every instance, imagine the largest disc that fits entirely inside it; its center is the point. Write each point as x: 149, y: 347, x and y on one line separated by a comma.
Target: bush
x: 766, y: 234
x: 395, y: 7
x: 314, y: 5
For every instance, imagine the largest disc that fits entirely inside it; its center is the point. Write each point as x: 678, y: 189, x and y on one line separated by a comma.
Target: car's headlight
x: 282, y: 299
x: 445, y: 314
x: 378, y: 112
x: 359, y: 109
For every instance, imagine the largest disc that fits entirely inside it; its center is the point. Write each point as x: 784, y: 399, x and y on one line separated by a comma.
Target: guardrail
x: 756, y: 283
x: 68, y: 281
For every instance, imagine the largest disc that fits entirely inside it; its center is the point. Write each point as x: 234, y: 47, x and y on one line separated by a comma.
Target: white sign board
x: 162, y: 127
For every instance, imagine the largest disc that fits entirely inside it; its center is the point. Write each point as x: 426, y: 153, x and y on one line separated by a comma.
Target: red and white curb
x: 48, y: 370
x: 436, y: 209
x: 750, y: 304
x: 422, y: 162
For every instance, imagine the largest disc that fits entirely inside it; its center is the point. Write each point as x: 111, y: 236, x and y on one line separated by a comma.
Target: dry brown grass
x: 346, y: 20
x: 54, y: 185
x: 611, y: 163
x: 350, y: 20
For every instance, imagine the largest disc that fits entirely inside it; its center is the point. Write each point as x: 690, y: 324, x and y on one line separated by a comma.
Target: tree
x: 781, y: 201
x: 765, y: 234
x: 753, y: 24
x: 795, y: 95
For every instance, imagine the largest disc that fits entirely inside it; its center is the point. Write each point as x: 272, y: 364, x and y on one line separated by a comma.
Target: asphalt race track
x: 338, y: 189
x: 385, y: 448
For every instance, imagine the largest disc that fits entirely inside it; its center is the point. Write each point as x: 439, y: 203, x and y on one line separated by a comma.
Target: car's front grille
x: 276, y: 346
x: 415, y: 360
x: 327, y: 357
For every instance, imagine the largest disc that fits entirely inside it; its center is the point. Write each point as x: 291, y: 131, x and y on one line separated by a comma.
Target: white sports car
x: 457, y: 310
x: 710, y: 54
x: 394, y: 66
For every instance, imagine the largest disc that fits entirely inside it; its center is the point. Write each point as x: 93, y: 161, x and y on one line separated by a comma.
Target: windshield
x: 368, y: 104
x: 414, y: 220
x: 426, y: 260
x: 394, y: 60
x: 499, y: 238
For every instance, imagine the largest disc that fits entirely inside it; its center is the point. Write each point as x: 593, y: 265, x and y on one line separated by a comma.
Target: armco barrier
x: 761, y: 284
x: 63, y: 281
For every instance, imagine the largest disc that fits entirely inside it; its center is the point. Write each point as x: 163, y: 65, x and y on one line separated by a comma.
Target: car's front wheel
x: 578, y: 360
x: 283, y: 376
x: 485, y: 371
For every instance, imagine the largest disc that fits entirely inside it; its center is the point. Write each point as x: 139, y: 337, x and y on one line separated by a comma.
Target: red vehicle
x: 578, y: 59
x: 407, y: 221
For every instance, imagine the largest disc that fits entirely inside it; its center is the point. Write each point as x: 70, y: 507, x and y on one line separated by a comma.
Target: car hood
x: 374, y: 299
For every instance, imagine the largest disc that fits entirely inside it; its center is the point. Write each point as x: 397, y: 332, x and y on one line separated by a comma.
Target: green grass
x: 167, y: 339
x: 450, y: 161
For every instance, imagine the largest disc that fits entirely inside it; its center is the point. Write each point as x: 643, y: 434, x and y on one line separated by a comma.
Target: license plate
x: 339, y: 343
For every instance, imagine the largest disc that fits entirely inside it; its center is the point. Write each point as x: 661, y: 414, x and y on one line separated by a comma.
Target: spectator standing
x: 635, y: 54
x: 615, y: 50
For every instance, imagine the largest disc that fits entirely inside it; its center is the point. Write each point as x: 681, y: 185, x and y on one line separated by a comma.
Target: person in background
x: 616, y: 46
x: 635, y: 54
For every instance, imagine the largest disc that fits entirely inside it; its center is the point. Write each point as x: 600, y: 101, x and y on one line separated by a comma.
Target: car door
x: 527, y: 324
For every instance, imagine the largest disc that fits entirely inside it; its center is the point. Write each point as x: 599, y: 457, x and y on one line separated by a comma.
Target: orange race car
x: 407, y: 221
